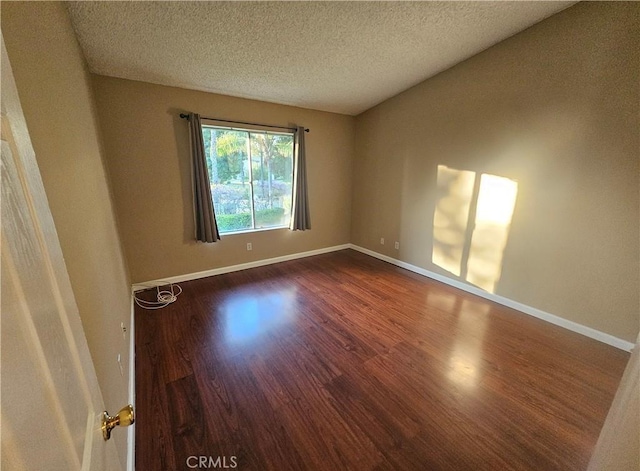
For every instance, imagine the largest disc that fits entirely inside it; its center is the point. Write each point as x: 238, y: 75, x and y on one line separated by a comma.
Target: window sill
x: 250, y: 231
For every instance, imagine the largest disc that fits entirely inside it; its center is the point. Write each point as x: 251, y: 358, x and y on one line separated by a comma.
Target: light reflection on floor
x: 441, y: 300
x: 248, y: 316
x: 466, y: 356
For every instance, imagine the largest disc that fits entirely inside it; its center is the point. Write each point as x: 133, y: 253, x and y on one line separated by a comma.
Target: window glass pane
x: 251, y: 176
x: 272, y: 168
x: 228, y: 164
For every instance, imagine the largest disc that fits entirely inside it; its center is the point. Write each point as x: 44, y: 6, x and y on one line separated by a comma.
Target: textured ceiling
x: 343, y: 57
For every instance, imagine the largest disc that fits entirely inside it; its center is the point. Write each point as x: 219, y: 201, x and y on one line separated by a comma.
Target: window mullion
x: 253, y: 212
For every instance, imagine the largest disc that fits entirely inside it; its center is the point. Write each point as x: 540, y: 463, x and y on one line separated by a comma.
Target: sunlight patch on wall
x: 496, y: 201
x: 471, y: 224
x: 455, y: 189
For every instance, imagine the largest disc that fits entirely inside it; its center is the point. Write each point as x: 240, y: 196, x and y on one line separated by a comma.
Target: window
x: 251, y: 174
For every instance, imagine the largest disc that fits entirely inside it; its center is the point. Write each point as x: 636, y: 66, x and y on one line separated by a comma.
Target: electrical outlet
x: 397, y: 245
x: 381, y: 240
x: 124, y: 330
x: 249, y: 246
x: 120, y: 365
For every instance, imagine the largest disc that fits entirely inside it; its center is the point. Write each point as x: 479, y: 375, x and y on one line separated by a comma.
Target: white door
x: 50, y: 403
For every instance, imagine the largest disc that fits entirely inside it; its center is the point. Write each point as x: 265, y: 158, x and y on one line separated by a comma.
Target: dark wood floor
x: 342, y: 361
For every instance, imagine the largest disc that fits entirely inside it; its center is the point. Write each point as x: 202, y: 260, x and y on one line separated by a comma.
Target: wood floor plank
x: 265, y: 440
x: 152, y: 416
x: 324, y: 438
x: 341, y: 361
x: 188, y: 425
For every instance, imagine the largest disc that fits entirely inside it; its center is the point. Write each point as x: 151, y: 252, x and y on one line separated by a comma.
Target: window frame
x: 249, y: 129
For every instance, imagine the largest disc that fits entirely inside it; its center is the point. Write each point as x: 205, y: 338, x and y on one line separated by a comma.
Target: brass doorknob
x: 124, y: 418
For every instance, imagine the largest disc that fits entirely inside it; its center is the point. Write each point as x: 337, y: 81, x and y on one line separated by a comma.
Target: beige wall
x: 147, y: 150
x: 554, y: 108
x: 55, y: 93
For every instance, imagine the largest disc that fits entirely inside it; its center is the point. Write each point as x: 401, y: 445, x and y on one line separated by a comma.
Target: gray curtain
x: 205, y: 219
x: 300, y: 218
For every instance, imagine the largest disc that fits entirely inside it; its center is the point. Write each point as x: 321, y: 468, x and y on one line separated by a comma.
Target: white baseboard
x: 131, y: 432
x: 532, y: 311
x: 232, y: 268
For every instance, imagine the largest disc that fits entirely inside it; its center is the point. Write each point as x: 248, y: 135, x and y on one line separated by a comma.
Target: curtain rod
x: 186, y: 116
